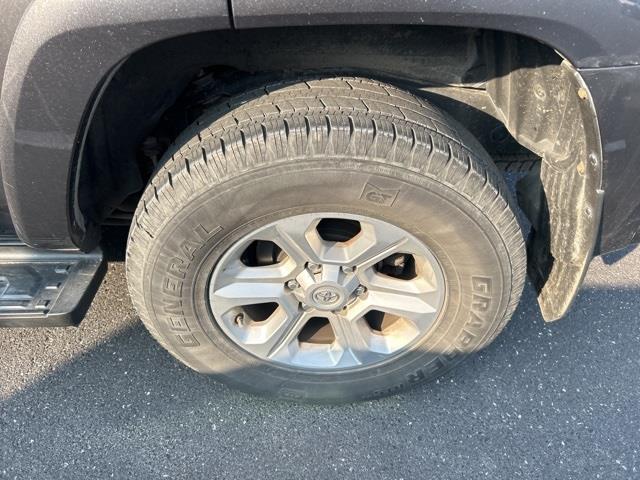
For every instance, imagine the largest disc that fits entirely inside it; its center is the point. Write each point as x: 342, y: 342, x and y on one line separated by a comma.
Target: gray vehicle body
x: 59, y: 57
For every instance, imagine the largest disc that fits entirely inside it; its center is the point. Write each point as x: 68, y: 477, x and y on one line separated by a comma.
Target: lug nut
x: 348, y: 269
x: 239, y: 320
x: 361, y: 290
x: 292, y: 284
x: 305, y: 307
x: 314, y: 267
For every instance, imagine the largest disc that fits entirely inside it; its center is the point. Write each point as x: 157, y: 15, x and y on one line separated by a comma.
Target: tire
x: 352, y: 146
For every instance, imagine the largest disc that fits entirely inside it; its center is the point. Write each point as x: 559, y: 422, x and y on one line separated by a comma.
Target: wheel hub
x: 326, y: 296
x: 336, y: 291
x: 325, y: 287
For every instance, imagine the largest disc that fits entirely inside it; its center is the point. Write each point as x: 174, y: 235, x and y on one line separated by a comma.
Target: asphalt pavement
x: 544, y: 401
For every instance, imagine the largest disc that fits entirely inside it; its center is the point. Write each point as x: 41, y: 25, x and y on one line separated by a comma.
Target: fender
x: 60, y: 54
x: 589, y: 33
x: 600, y: 38
x: 63, y: 51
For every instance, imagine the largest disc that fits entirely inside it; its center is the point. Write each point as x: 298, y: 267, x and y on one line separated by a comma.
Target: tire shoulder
x: 212, y: 150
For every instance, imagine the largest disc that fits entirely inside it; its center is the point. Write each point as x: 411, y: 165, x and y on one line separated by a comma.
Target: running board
x: 46, y: 288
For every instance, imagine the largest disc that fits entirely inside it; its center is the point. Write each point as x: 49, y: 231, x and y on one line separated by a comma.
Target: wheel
x: 327, y: 240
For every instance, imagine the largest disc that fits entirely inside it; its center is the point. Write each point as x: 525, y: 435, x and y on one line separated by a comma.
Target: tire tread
x: 350, y: 117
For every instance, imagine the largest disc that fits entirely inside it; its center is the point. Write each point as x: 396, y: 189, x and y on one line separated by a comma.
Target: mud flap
x: 548, y: 108
x: 557, y: 280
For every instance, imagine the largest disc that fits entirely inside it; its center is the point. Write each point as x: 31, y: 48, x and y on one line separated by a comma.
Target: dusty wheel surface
x: 327, y: 240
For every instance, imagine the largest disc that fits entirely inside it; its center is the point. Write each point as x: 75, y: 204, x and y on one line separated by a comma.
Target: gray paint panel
x: 63, y: 48
x: 602, y: 37
x: 12, y: 11
x: 61, y: 51
x: 590, y: 33
x: 615, y: 94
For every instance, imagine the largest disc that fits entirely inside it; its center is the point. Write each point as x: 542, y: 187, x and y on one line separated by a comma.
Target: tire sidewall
x: 188, y: 244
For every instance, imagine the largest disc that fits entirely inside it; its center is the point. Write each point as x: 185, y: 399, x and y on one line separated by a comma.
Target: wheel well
x: 161, y: 89
x: 519, y: 98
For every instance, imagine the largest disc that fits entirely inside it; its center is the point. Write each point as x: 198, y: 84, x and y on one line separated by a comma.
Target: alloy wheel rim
x: 327, y: 291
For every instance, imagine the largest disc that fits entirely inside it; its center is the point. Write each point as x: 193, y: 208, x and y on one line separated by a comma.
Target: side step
x: 44, y: 288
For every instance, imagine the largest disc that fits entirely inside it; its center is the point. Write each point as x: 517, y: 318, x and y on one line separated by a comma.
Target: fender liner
x: 550, y: 110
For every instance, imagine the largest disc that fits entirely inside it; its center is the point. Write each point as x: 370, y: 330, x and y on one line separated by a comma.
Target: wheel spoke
x: 350, y: 337
x: 240, y: 285
x: 238, y: 272
x: 370, y: 245
x: 280, y: 335
x: 291, y: 235
x: 375, y: 243
x: 415, y: 300
x: 285, y: 342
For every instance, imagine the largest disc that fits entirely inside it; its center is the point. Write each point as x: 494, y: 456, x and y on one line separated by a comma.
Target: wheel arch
x: 45, y: 126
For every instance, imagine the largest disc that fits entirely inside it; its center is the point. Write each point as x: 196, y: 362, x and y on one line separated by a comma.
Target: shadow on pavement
x: 549, y: 401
